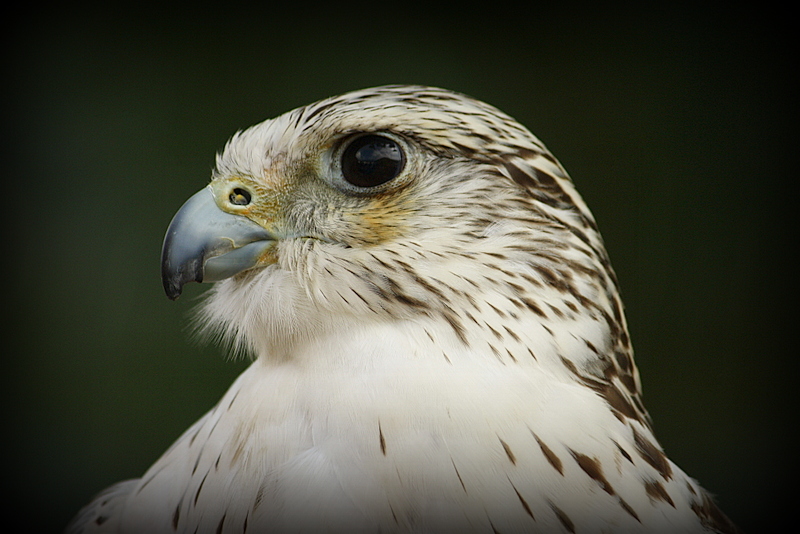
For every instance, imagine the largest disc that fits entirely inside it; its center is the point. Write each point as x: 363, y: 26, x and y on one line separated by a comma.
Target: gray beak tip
x: 176, y: 274
x: 173, y: 291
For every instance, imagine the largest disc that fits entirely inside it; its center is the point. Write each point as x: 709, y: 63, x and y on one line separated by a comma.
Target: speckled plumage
x: 446, y: 352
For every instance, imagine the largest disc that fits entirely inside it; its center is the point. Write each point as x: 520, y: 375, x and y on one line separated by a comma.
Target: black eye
x: 372, y: 160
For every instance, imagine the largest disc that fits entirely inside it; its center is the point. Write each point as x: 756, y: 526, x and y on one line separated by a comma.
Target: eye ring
x: 371, y: 160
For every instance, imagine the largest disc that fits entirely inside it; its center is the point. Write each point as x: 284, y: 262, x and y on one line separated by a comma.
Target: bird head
x: 394, y: 202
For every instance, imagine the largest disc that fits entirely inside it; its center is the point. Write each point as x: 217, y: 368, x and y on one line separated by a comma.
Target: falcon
x: 437, y: 335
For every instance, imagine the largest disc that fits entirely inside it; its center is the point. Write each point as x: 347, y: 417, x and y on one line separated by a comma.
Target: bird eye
x: 372, y: 160
x: 240, y: 197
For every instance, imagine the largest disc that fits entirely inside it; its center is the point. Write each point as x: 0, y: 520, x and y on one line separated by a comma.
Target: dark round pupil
x: 372, y: 160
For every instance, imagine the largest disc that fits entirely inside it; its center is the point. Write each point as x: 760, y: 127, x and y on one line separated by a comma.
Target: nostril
x: 240, y: 197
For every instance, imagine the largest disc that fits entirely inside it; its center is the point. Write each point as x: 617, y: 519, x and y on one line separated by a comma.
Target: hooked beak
x: 205, y: 244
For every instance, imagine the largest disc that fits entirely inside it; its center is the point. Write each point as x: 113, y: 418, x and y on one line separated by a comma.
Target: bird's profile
x: 438, y: 339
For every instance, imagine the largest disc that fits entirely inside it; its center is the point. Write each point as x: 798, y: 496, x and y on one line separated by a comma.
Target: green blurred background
x: 676, y: 123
